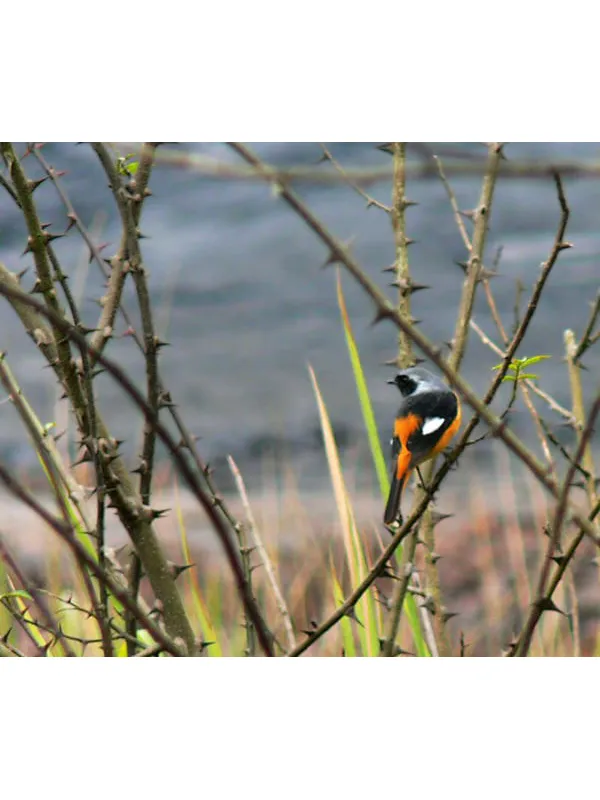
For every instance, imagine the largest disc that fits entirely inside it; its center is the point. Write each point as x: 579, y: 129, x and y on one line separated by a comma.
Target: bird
x: 428, y: 417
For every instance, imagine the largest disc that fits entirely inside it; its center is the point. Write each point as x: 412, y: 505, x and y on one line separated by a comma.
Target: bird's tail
x: 400, y: 477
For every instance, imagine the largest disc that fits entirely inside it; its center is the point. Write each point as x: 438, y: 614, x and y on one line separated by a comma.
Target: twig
x: 587, y: 459
x: 587, y: 339
x: 264, y: 556
x: 245, y: 551
x: 474, y: 270
x: 353, y: 185
x: 405, y: 359
x: 460, y: 223
x: 130, y: 205
x: 543, y: 601
x: 401, y: 242
x: 400, y: 591
x: 554, y: 405
x: 205, y: 165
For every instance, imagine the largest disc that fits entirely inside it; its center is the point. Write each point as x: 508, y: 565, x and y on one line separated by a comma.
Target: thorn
x: 548, y: 604
x: 51, y: 237
x: 158, y: 343
x: 564, y: 245
x: 385, y: 148
x: 511, y: 647
x: 165, y: 401
x: 157, y: 513
x: 407, y: 287
x: 178, y: 569
x: 351, y: 613
x: 388, y: 573
x: 447, y: 615
x: 332, y: 258
x: 396, y: 650
x: 434, y: 557
x: 85, y: 457
x: 391, y: 268
x: 33, y: 185
x: 439, y: 516
x: 381, y: 314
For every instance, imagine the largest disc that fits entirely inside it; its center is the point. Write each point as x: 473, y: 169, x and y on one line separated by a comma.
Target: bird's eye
x: 405, y: 384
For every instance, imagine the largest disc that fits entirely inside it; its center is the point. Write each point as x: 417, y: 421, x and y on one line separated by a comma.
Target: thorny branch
x: 264, y: 635
x: 113, y: 302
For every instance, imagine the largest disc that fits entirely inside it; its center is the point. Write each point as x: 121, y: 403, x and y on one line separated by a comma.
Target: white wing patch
x: 431, y: 424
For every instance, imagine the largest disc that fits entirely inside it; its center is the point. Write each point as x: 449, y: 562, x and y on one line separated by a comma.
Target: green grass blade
x: 364, y: 398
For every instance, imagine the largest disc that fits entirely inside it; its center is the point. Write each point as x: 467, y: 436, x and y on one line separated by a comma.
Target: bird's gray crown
x: 416, y: 379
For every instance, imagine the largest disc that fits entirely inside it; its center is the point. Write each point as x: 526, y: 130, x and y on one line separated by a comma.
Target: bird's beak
x: 392, y: 381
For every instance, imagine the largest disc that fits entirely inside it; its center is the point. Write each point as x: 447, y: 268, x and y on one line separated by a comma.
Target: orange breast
x: 404, y: 427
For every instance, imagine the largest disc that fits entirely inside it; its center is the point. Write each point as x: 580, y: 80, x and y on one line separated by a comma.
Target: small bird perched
x: 428, y: 417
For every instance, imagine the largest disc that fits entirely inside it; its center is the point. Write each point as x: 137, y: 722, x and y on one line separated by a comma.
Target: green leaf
x: 533, y: 360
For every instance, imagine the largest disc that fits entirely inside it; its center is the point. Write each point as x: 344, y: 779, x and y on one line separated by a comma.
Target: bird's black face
x: 405, y: 383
